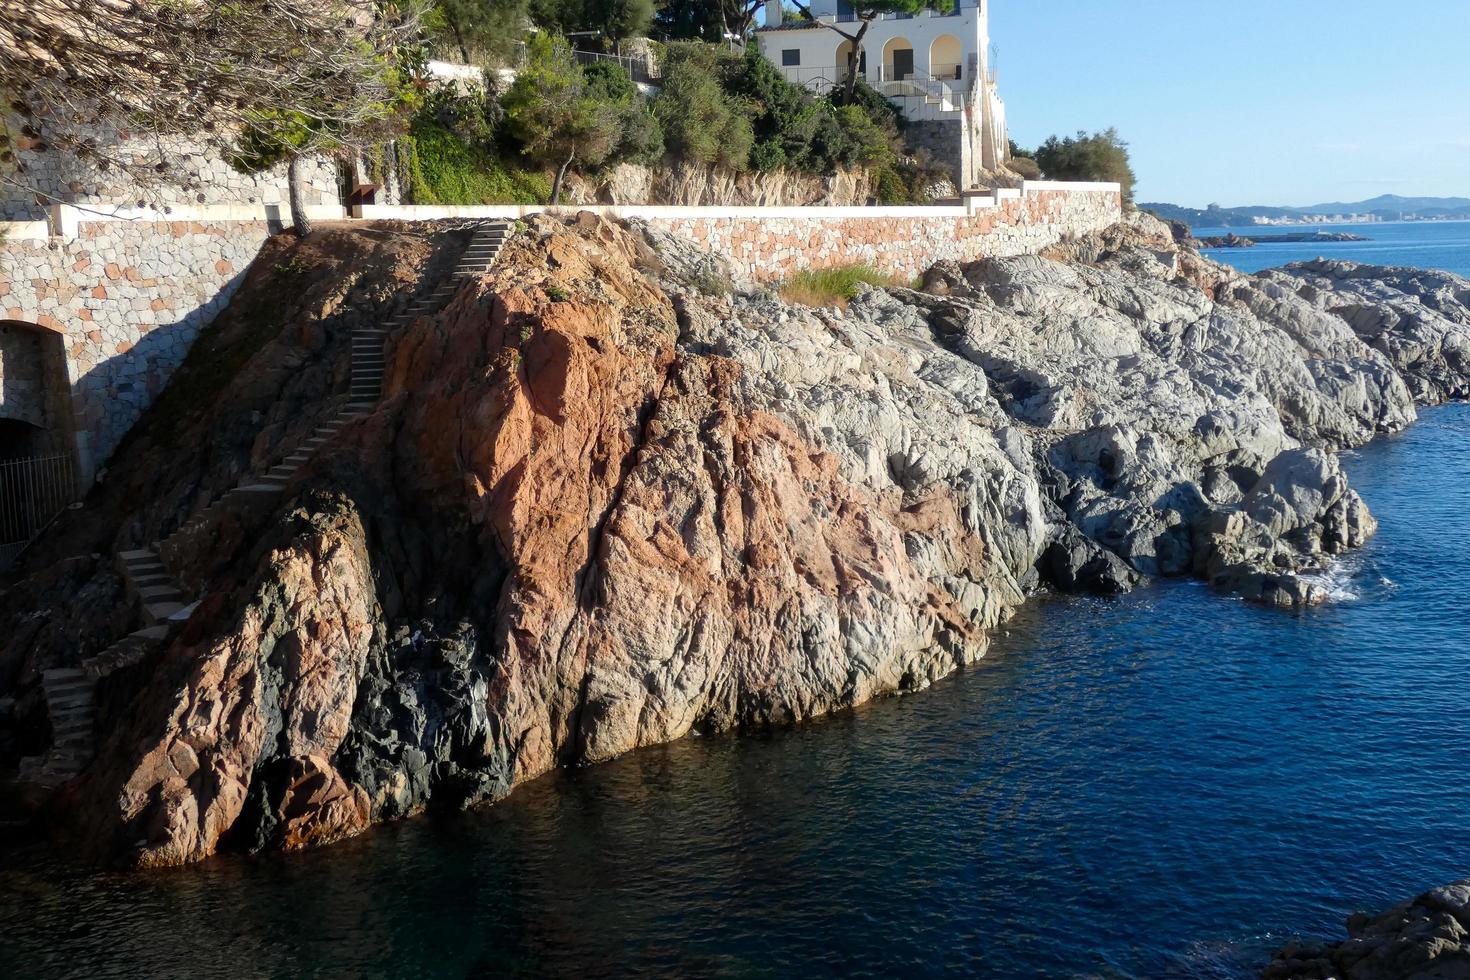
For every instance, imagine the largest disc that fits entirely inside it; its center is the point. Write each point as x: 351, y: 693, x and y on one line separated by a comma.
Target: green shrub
x: 702, y: 123
x: 643, y: 138
x: 443, y: 169
x: 834, y: 285
x: 607, y: 80
x: 1095, y: 156
x: 1025, y: 166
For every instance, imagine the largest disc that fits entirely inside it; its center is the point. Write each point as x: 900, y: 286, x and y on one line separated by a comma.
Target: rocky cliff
x: 601, y: 507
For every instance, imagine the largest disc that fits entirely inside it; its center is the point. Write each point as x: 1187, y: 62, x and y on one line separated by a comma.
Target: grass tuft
x: 835, y: 285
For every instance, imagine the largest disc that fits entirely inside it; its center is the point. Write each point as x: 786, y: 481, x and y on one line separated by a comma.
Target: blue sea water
x: 1169, y: 784
x: 1421, y: 244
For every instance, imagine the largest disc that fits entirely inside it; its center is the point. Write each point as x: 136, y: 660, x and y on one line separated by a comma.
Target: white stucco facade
x: 936, y: 66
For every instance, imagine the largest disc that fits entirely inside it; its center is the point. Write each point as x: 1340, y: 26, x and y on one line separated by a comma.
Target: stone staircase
x: 71, y: 692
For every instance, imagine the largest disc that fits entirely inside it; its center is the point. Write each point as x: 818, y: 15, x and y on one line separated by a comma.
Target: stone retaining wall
x: 776, y: 248
x: 41, y: 176
x: 768, y: 243
x: 128, y: 295
x: 127, y: 299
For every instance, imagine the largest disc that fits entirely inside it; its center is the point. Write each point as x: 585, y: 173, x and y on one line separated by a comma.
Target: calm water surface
x: 1421, y: 244
x: 1165, y: 785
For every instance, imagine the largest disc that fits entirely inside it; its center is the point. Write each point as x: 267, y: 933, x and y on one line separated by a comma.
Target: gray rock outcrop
x: 609, y: 500
x: 1426, y: 938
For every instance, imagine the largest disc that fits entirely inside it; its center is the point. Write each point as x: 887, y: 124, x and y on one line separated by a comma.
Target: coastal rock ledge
x: 611, y: 498
x: 1427, y: 938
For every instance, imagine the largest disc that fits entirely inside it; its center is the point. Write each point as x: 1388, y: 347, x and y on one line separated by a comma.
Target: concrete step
x: 62, y: 675
x: 150, y: 578
x: 182, y: 614
x: 159, y: 612
x: 159, y: 593
x: 59, y: 701
x: 68, y: 690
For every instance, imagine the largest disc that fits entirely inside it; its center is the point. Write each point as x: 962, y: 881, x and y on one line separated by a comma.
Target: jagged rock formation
x: 599, y: 508
x: 1426, y: 938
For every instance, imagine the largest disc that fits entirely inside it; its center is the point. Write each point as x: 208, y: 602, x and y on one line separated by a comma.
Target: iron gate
x: 32, y: 492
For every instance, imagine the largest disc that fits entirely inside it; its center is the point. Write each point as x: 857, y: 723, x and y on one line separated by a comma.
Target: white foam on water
x: 1354, y: 578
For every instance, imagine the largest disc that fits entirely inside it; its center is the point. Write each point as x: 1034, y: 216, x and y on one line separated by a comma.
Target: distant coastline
x: 1379, y: 209
x: 1251, y: 241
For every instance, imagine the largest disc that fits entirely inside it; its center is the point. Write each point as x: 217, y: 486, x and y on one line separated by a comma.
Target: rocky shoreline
x: 608, y: 501
x: 1425, y: 938
x: 1251, y: 241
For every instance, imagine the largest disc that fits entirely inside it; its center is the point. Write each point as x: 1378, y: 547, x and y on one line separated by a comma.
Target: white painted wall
x: 821, y: 52
x: 820, y: 58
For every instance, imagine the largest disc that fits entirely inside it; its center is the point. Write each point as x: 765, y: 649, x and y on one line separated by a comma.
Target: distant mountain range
x: 1387, y: 207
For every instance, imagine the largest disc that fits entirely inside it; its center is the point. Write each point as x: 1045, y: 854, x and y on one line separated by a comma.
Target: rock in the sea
x: 1299, y: 512
x: 1427, y: 938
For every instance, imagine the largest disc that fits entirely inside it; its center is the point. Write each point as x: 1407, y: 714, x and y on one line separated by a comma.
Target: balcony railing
x: 938, y: 91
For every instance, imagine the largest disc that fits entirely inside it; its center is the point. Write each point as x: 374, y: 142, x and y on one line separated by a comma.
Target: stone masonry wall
x: 41, y: 176
x: 944, y: 142
x: 128, y: 299
x: 22, y: 376
x: 775, y: 248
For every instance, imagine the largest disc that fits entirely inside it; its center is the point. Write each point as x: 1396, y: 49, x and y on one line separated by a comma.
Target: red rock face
x: 593, y: 530
x: 276, y: 681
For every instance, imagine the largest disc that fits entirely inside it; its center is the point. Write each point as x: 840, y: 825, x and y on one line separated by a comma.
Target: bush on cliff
x: 715, y: 109
x: 440, y: 167
x: 1088, y: 156
x: 703, y: 123
x: 642, y: 138
x: 557, y: 120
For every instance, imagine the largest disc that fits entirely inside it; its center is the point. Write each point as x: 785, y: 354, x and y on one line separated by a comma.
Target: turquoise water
x: 1169, y: 784
x: 1421, y: 244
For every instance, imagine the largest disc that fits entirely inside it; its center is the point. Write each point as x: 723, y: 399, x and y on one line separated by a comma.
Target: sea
x: 1420, y: 244
x: 1168, y: 784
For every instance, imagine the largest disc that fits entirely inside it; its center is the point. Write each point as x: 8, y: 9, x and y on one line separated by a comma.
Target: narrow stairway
x: 70, y: 692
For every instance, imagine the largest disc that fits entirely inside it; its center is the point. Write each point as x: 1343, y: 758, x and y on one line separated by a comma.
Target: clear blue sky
x: 1279, y: 102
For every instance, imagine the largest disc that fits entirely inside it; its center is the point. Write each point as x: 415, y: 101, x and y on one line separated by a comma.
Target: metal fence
x: 32, y: 492
x: 639, y: 68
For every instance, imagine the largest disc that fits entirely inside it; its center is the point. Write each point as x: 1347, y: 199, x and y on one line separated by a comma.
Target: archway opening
x: 844, y: 53
x: 946, y: 58
x: 20, y: 440
x: 38, y: 471
x: 898, y: 60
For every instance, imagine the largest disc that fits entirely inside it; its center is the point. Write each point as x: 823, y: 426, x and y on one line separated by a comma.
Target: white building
x: 937, y: 67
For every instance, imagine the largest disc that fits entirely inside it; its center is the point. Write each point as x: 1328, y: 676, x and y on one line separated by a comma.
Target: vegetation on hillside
x: 715, y: 108
x: 296, y: 77
x: 1088, y: 156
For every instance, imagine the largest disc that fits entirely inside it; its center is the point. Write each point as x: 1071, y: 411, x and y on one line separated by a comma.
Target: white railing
x: 907, y: 84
